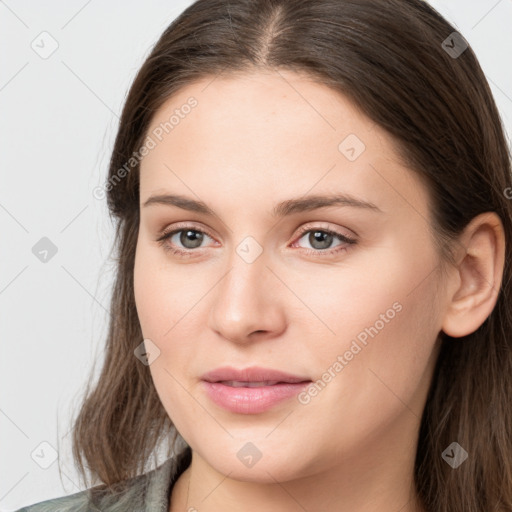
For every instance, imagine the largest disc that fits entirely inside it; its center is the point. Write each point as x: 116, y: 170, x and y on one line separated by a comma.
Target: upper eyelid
x: 307, y: 227
x: 177, y: 228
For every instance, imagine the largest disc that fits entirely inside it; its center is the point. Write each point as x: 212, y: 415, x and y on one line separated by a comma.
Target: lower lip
x: 244, y: 400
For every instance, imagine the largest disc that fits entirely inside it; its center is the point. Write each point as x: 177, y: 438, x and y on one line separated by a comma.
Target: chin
x: 260, y: 461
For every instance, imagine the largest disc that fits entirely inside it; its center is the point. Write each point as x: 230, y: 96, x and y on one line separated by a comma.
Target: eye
x: 322, y: 238
x: 190, y: 238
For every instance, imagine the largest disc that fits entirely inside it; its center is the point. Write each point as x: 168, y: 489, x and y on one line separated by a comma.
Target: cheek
x: 168, y: 307
x: 162, y: 310
x: 378, y: 357
x: 160, y: 293
x: 384, y: 299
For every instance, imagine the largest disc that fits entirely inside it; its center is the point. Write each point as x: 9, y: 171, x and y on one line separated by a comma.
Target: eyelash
x: 164, y: 236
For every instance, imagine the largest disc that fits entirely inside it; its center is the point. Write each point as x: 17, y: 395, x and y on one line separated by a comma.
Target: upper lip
x: 252, y: 374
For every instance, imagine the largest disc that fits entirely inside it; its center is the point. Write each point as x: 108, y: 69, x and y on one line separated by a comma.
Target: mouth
x: 241, y: 384
x: 254, y: 376
x: 253, y: 390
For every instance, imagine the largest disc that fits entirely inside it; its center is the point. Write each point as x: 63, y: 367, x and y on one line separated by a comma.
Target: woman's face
x: 262, y: 282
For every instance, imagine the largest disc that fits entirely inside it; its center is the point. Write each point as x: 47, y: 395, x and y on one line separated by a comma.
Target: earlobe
x: 477, y: 277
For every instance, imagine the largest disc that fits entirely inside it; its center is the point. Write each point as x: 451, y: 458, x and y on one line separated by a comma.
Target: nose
x: 247, y: 302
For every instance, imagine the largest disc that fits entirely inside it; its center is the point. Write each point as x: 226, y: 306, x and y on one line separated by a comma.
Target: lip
x: 251, y: 400
x: 252, y: 374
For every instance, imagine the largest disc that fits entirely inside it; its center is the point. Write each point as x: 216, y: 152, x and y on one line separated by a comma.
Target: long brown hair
x: 391, y: 59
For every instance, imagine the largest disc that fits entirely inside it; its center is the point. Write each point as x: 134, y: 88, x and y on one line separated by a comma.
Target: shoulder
x: 78, y: 501
x: 147, y: 492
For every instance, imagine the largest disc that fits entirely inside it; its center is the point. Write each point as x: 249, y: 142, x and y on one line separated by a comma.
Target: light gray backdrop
x: 65, y: 70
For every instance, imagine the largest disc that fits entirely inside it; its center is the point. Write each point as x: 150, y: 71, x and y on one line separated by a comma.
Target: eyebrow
x: 288, y: 207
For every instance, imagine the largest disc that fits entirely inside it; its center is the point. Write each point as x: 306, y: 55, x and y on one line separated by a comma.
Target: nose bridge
x: 243, y: 301
x: 247, y: 264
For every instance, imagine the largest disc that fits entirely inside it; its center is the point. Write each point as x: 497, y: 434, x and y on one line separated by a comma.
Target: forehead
x: 270, y: 132
x: 255, y: 108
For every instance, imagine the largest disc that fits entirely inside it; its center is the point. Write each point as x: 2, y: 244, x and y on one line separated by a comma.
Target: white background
x: 59, y: 118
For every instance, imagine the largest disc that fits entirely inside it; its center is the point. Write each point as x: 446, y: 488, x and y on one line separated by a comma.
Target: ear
x: 475, y: 282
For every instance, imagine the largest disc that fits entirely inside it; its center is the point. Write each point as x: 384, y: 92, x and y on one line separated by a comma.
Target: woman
x: 312, y: 301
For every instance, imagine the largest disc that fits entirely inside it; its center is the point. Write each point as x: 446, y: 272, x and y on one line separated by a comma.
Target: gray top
x: 149, y: 492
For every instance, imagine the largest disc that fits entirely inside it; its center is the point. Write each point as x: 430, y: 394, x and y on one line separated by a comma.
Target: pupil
x: 325, y: 239
x: 193, y: 236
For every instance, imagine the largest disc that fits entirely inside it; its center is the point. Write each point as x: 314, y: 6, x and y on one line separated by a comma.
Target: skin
x: 251, y: 142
